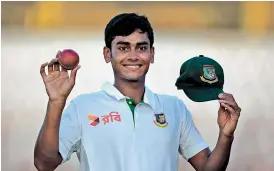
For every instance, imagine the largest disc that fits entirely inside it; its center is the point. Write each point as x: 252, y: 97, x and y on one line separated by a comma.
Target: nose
x: 133, y: 55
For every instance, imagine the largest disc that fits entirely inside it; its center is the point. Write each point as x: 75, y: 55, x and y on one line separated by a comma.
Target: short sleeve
x: 191, y: 142
x: 69, y: 132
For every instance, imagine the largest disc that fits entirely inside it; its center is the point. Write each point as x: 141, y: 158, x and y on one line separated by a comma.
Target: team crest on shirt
x: 160, y: 120
x: 209, y: 74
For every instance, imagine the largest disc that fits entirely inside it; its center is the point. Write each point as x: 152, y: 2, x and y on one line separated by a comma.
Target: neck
x: 133, y: 90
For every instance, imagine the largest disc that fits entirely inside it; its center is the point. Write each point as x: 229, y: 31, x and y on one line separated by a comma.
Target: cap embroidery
x: 209, y: 74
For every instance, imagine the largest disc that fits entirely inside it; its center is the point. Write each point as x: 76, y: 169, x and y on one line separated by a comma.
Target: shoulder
x: 172, y: 100
x: 86, y: 98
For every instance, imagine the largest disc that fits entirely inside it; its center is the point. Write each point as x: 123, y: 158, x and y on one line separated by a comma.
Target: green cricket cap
x: 201, y: 78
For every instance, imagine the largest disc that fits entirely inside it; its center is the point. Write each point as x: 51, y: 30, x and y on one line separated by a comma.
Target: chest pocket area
x: 155, y: 130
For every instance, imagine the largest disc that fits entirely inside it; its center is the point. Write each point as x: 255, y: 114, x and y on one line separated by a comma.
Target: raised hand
x: 228, y: 114
x: 58, y: 83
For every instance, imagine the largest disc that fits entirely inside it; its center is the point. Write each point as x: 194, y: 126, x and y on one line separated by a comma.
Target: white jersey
x: 100, y: 128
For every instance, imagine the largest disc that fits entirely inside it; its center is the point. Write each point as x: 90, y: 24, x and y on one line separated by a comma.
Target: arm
x: 47, y: 155
x: 46, y: 152
x: 217, y: 159
x: 228, y: 116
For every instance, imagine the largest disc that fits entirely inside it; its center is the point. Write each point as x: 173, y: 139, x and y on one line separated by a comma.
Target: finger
x: 229, y: 102
x: 56, y: 66
x: 64, y: 72
x: 42, y: 70
x: 64, y: 69
x: 50, y: 66
x: 232, y: 112
x: 229, y: 99
x: 226, y: 96
x: 74, y: 73
x: 221, y: 107
x: 58, y: 54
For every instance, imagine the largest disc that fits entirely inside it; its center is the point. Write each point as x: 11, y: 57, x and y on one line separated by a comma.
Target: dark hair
x: 126, y: 23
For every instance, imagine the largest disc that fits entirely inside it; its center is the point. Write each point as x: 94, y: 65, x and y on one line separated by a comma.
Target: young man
x: 125, y: 126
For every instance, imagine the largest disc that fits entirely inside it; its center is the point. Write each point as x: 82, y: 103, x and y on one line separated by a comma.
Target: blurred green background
x: 238, y: 34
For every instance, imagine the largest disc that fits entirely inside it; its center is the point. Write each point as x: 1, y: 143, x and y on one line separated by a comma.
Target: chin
x: 133, y: 79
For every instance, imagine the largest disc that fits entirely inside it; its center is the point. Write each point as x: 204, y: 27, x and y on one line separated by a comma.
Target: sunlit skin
x: 130, y: 57
x: 129, y: 51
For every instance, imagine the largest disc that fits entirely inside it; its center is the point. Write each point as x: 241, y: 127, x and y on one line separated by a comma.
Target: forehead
x: 133, y: 38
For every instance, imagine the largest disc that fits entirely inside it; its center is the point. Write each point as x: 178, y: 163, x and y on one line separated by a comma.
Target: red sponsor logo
x: 94, y: 120
x: 111, y: 117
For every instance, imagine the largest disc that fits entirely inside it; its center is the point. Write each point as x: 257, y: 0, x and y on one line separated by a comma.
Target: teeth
x: 132, y: 66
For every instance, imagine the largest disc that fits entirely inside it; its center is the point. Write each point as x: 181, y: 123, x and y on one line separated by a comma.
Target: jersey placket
x: 132, y: 106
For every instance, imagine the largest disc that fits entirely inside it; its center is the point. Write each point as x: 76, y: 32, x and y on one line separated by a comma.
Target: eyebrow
x: 127, y: 43
x: 142, y: 43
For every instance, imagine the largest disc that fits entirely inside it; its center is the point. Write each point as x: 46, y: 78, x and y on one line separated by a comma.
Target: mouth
x: 133, y: 67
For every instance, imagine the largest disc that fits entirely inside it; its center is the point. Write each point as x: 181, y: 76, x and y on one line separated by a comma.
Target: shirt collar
x: 109, y: 88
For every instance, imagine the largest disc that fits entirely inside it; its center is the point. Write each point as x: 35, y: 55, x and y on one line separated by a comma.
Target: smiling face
x: 130, y: 56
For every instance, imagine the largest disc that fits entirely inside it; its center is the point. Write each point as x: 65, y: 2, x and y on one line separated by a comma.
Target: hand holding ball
x: 59, y: 83
x: 68, y: 59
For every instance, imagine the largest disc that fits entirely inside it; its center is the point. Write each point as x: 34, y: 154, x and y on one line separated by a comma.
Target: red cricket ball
x: 68, y: 59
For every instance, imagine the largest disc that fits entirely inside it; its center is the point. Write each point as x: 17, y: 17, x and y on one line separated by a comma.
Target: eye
x: 123, y: 48
x: 143, y: 48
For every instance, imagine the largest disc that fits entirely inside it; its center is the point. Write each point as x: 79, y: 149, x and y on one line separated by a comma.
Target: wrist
x: 54, y: 110
x: 56, y: 107
x: 225, y: 136
x: 60, y: 102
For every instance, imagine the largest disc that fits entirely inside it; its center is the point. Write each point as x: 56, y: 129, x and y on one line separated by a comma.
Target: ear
x: 107, y: 54
x: 152, y: 52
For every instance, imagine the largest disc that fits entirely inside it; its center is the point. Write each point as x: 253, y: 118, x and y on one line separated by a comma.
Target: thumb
x: 221, y: 108
x: 74, y: 73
